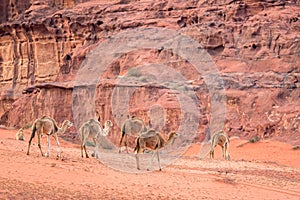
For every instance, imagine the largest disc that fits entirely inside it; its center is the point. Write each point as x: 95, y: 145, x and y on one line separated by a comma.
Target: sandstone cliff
x: 255, y: 45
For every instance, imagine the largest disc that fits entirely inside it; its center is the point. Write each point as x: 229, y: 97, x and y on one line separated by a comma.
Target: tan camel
x: 93, y: 129
x: 220, y: 138
x: 47, y: 125
x: 267, y: 129
x: 152, y: 141
x: 20, y: 135
x: 132, y: 126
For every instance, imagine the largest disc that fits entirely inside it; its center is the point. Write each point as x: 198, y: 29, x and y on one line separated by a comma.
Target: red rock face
x: 10, y: 9
x: 255, y: 46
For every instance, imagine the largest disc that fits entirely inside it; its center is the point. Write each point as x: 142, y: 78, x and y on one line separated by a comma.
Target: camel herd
x: 146, y: 139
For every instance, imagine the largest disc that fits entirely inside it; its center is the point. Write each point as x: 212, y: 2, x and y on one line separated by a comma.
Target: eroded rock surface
x: 255, y: 45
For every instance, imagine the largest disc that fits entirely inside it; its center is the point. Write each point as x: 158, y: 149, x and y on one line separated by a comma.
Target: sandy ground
x: 263, y: 170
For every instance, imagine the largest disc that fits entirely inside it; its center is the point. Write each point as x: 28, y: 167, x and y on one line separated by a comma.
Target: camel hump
x: 47, y: 118
x: 220, y: 134
x: 220, y: 137
x: 149, y: 133
x: 91, y: 121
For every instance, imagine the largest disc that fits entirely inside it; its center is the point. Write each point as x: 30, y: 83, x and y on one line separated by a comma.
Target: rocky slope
x: 254, y: 44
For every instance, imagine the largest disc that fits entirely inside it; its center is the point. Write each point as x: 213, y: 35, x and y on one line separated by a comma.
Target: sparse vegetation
x: 173, y: 85
x: 144, y: 79
x: 193, y: 95
x: 254, y: 139
x: 134, y: 72
x: 297, y: 147
x: 90, y: 144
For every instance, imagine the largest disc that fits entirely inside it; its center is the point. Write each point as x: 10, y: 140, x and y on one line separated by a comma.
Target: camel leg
x: 31, y: 137
x: 137, y: 161
x: 223, y: 151
x: 86, y: 154
x: 96, y: 152
x: 227, y: 151
x: 126, y: 139
x: 28, y: 147
x: 212, y: 152
x: 158, y: 160
x: 227, y: 155
x: 96, y: 148
x: 39, y: 144
x: 48, y: 146
x: 153, y: 155
x: 58, y: 145
x: 120, y: 144
x: 29, y: 143
x: 83, y: 147
x: 81, y: 150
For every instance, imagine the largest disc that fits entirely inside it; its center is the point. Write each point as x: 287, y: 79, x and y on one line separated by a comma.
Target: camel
x: 152, y: 141
x: 20, y: 135
x: 220, y: 138
x: 133, y: 126
x: 266, y: 130
x: 92, y: 128
x: 47, y: 125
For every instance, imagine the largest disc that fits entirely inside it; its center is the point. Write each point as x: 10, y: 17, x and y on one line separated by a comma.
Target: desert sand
x: 262, y: 170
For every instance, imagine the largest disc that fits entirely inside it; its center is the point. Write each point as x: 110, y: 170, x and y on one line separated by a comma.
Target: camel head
x: 108, y: 123
x: 67, y: 123
x: 172, y: 136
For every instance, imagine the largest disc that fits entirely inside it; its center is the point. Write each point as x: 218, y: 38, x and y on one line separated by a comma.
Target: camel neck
x: 106, y: 129
x: 63, y: 127
x: 169, y: 140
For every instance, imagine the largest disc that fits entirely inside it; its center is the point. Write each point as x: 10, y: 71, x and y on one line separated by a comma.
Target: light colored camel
x: 20, y: 135
x: 93, y: 129
x: 153, y: 141
x: 275, y: 119
x: 220, y: 138
x: 132, y: 126
x: 47, y: 125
